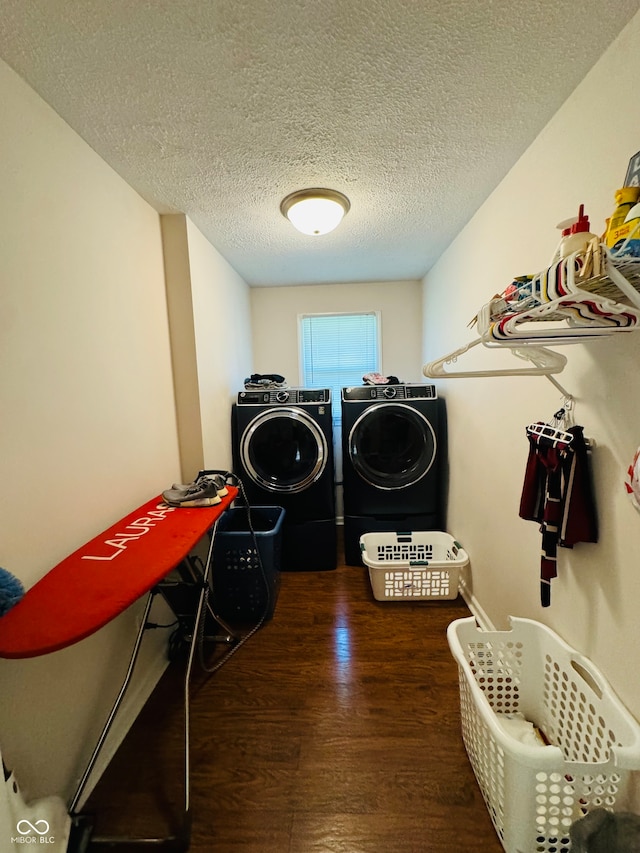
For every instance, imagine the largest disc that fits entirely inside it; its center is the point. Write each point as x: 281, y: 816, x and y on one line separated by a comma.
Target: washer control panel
x: 358, y: 393
x: 282, y: 396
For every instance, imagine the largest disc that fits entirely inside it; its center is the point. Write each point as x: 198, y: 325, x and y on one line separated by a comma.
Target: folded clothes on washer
x: 260, y: 381
x: 379, y: 379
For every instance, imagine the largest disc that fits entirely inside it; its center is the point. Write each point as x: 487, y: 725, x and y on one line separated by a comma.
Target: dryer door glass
x: 392, y: 445
x: 284, y: 450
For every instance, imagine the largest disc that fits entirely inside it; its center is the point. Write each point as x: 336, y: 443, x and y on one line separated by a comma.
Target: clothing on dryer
x: 264, y: 381
x: 379, y: 379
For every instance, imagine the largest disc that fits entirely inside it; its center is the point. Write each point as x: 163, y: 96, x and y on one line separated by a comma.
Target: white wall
x: 580, y: 157
x: 222, y: 317
x: 88, y: 422
x: 275, y: 310
x: 210, y: 326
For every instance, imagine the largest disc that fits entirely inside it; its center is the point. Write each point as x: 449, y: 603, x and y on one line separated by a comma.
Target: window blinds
x: 337, y: 350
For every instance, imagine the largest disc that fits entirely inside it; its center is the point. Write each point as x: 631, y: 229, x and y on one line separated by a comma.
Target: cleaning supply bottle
x: 565, y: 229
x: 631, y: 246
x: 618, y: 230
x: 579, y: 236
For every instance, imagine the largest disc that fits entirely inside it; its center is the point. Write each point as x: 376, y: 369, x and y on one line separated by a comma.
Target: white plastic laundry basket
x: 417, y: 565
x: 535, y: 792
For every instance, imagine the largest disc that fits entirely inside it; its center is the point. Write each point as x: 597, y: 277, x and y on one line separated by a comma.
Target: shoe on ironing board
x: 201, y: 493
x: 218, y: 479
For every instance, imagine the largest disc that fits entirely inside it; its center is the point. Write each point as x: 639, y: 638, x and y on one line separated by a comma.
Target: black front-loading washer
x: 393, y: 457
x: 282, y: 444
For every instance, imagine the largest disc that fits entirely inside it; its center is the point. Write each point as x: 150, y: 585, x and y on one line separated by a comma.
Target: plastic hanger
x: 555, y: 431
x: 586, y: 315
x: 554, y: 434
x: 620, y: 280
x: 543, y: 362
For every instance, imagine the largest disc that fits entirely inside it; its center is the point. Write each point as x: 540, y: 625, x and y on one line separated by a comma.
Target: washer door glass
x: 284, y: 450
x: 392, y: 445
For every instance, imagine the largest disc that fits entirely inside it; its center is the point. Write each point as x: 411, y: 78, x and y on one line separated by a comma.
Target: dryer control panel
x: 358, y: 393
x: 274, y: 396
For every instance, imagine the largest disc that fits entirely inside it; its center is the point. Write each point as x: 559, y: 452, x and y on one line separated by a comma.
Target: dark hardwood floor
x: 334, y: 729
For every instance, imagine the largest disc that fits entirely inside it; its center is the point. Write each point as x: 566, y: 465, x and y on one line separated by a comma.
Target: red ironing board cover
x: 104, y: 577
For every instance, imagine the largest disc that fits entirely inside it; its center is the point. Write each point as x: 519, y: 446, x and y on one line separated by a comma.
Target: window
x: 337, y: 350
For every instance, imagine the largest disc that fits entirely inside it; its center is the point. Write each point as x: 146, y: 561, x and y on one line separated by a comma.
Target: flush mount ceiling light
x: 315, y: 211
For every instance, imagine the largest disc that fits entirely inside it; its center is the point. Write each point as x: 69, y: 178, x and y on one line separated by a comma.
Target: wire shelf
x: 560, y: 286
x: 604, y: 285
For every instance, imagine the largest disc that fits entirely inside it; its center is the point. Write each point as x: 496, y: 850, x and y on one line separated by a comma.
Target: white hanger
x: 544, y: 362
x: 619, y: 279
x: 529, y: 343
x: 555, y: 431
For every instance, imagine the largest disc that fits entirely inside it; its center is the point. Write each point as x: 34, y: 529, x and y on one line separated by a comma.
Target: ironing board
x: 95, y: 584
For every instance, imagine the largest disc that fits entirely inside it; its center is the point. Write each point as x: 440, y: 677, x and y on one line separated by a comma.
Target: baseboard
x: 474, y: 606
x: 132, y: 705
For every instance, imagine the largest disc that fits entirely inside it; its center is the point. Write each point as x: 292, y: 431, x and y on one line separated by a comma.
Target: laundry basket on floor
x: 418, y: 565
x: 534, y: 792
x: 247, y: 555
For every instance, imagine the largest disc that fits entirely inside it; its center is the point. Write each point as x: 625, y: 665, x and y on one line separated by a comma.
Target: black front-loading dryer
x: 394, y: 453
x: 282, y: 443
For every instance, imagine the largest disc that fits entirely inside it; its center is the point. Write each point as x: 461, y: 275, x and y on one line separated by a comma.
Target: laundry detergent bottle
x: 631, y: 246
x: 618, y: 229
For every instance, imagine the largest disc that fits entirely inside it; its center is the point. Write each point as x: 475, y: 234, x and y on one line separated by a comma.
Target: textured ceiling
x: 415, y: 109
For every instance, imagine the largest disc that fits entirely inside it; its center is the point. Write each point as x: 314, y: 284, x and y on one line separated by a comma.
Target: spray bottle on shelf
x: 565, y: 229
x: 578, y: 237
